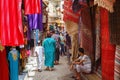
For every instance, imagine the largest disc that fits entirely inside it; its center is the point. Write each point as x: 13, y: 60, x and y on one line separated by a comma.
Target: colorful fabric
x: 11, y: 23
x: 13, y: 57
x: 68, y: 12
x: 4, y: 72
x: 49, y: 45
x: 108, y: 4
x: 107, y: 49
x: 32, y: 6
x: 117, y: 64
x: 114, y: 21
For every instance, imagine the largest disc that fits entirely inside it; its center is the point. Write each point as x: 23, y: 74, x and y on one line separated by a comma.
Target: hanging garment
x: 117, y: 64
x: 35, y: 20
x: 13, y: 57
x: 114, y: 21
x: 4, y: 72
x: 68, y: 12
x: 11, y: 23
x: 32, y: 6
x: 107, y: 49
x: 108, y: 4
x: 86, y: 32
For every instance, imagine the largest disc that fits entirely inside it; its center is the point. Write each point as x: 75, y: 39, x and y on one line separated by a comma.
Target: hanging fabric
x: 107, y: 49
x: 114, y: 21
x: 86, y: 32
x: 32, y: 6
x: 69, y: 14
x: 108, y: 4
x: 35, y: 20
x: 4, y: 72
x: 11, y: 23
x: 117, y: 64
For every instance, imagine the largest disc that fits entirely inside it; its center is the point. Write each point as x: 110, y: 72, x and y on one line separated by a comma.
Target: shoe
x: 39, y: 70
x: 47, y: 69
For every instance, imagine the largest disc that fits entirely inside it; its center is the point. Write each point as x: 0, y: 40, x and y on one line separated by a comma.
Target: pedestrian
x: 81, y: 64
x: 62, y: 43
x: 39, y: 50
x: 68, y: 46
x: 56, y: 36
x: 49, y: 45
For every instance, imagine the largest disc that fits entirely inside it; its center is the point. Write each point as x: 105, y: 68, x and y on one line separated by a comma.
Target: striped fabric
x: 117, y: 64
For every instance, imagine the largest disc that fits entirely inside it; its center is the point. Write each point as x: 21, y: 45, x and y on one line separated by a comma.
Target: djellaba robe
x: 13, y: 57
x: 49, y: 45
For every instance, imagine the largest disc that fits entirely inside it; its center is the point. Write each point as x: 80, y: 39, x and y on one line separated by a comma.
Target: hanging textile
x: 107, y: 49
x: 4, y: 72
x: 13, y: 57
x: 69, y: 14
x: 108, y: 4
x: 32, y: 6
x: 86, y: 32
x: 114, y: 21
x: 35, y: 20
x: 73, y: 32
x: 97, y: 49
x: 11, y: 23
x: 117, y: 64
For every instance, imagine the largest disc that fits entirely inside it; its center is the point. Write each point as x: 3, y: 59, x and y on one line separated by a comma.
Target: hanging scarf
x: 11, y: 23
x: 108, y: 4
x: 107, y: 49
x: 32, y: 6
x: 114, y: 21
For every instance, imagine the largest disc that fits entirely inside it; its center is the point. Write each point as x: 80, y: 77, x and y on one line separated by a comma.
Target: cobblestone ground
x: 60, y: 72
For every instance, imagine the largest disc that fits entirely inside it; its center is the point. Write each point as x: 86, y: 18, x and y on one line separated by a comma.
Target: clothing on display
x: 107, y: 49
x: 13, y: 57
x: 4, y: 71
x: 32, y: 6
x: 11, y: 23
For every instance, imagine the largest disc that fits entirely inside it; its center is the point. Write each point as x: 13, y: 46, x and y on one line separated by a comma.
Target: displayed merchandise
x: 13, y: 58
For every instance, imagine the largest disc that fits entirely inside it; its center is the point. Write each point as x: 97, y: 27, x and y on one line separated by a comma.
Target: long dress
x: 49, y: 45
x: 13, y: 57
x: 4, y: 72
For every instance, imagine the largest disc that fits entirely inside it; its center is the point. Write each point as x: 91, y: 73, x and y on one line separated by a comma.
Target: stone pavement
x: 60, y: 72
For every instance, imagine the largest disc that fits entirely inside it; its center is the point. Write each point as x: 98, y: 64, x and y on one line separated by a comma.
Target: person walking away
x: 81, y: 64
x: 39, y: 50
x: 68, y: 46
x: 62, y: 43
x: 49, y: 45
x: 56, y: 36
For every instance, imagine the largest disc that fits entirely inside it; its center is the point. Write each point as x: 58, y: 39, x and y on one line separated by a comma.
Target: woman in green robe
x: 49, y: 45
